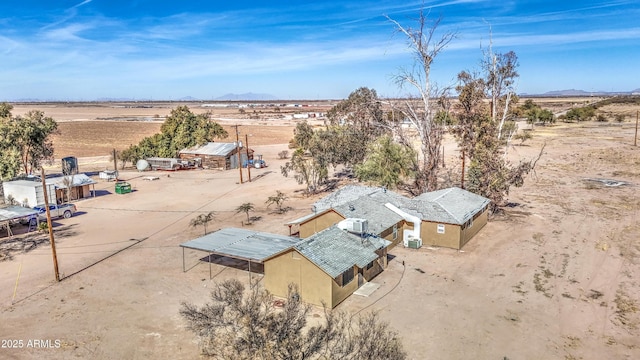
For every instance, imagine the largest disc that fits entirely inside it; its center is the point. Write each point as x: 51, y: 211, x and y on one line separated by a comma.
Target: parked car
x: 57, y: 211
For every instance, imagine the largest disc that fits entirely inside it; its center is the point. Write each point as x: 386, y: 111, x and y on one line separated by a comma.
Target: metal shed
x: 27, y: 192
x: 217, y: 155
x: 246, y: 245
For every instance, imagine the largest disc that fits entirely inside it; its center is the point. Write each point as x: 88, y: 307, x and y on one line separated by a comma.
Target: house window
x: 470, y: 222
x: 440, y: 228
x: 395, y: 231
x: 347, y: 276
x: 369, y: 265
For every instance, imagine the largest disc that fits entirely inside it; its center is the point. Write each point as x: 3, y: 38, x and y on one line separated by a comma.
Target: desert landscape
x: 555, y: 276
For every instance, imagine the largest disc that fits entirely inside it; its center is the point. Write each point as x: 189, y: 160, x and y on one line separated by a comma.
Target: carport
x: 245, y: 245
x: 13, y: 213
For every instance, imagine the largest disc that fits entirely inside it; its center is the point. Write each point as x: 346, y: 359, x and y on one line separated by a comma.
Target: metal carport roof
x: 11, y: 213
x: 15, y: 212
x: 242, y: 244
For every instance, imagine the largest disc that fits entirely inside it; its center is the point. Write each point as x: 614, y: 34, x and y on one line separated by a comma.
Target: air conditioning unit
x: 415, y: 243
x: 359, y: 226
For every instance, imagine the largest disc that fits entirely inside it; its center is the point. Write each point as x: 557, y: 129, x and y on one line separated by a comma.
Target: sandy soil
x: 555, y: 277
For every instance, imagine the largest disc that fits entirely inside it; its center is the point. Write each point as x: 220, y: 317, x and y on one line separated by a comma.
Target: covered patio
x: 239, y: 248
x: 13, y: 214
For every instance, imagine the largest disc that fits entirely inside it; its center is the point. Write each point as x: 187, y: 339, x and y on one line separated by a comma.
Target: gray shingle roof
x: 335, y: 250
x: 371, y: 208
x: 452, y: 205
x: 242, y: 243
x: 460, y: 205
x: 343, y: 195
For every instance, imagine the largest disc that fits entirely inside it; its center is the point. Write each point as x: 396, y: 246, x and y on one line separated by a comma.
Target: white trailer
x: 28, y: 193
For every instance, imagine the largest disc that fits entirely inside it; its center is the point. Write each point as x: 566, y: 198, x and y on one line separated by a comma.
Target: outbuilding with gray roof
x: 218, y: 155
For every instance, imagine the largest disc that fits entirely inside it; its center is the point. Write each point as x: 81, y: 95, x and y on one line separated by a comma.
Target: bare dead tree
x: 501, y: 75
x: 425, y: 46
x: 69, y: 171
x: 239, y: 325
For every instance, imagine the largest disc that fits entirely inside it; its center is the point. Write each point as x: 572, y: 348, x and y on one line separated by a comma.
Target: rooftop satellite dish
x: 142, y: 165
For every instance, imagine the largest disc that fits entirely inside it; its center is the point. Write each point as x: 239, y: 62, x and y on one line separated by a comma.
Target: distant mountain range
x: 574, y: 92
x: 268, y: 97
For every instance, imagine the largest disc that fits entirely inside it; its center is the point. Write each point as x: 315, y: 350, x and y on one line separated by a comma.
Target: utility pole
x: 246, y: 144
x: 238, y: 151
x: 462, y: 178
x: 115, y: 163
x: 53, y: 243
x: 635, y: 139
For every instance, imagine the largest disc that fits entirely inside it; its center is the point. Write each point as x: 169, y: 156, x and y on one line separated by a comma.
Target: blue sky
x: 166, y: 50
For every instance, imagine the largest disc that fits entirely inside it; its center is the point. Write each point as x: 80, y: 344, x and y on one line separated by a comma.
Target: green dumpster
x: 123, y: 187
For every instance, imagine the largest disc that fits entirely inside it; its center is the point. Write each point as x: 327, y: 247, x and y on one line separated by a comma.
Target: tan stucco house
x: 448, y: 217
x: 344, y: 242
x: 327, y: 267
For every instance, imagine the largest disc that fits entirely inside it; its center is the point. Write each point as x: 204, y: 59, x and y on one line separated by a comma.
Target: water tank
x: 69, y: 165
x: 142, y: 165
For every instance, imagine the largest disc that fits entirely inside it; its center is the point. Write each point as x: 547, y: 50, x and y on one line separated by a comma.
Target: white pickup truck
x: 57, y: 211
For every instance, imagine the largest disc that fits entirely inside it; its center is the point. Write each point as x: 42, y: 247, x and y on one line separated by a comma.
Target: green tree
x: 387, y: 163
x: 353, y: 123
x: 235, y: 325
x: 302, y: 135
x: 306, y: 169
x: 203, y: 220
x: 181, y: 129
x: 26, y: 141
x: 539, y: 115
x: 245, y: 208
x: 546, y: 116
x: 481, y: 134
x: 534, y: 113
x: 5, y: 110
x: 580, y: 114
x: 10, y: 161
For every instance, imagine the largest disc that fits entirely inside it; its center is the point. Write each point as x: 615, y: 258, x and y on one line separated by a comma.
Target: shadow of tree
x: 19, y: 245
x: 31, y: 241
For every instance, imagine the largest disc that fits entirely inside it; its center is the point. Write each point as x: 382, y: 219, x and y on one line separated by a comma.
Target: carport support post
x: 249, y: 272
x: 183, y: 267
x: 209, y: 266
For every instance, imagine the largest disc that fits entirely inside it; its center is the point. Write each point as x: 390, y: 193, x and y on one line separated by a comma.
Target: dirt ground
x: 555, y: 277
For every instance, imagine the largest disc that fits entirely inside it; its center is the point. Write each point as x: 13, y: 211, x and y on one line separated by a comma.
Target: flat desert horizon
x: 555, y: 276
